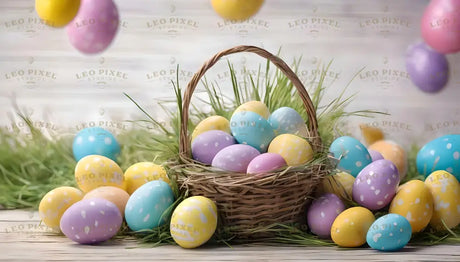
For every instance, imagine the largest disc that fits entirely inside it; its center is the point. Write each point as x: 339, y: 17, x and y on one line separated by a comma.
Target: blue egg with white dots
x: 352, y: 156
x: 148, y: 206
x: 286, y: 120
x: 95, y: 141
x: 251, y: 129
x: 442, y: 153
x: 390, y: 232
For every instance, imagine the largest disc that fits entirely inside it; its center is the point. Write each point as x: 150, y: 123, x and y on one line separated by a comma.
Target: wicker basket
x: 248, y: 204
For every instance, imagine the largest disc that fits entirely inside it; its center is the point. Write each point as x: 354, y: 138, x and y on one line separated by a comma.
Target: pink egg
x: 235, y: 158
x: 94, y: 27
x: 441, y: 25
x: 322, y: 213
x: 265, y: 162
x: 206, y: 145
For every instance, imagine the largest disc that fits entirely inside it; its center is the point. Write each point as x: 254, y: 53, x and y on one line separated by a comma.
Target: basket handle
x: 184, y: 145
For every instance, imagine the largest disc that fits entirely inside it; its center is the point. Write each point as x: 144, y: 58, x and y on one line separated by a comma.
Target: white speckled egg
x: 208, y: 144
x: 235, y: 158
x: 390, y: 232
x: 352, y: 155
x: 251, y: 129
x: 322, y: 213
x: 286, y: 120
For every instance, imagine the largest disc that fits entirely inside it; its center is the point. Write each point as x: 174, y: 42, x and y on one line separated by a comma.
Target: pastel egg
x: 251, y: 129
x: 193, y: 221
x: 255, y: 107
x: 350, y: 227
x: 414, y: 201
x: 94, y: 27
x: 445, y: 190
x: 95, y: 141
x: 140, y: 173
x: 55, y: 203
x: 147, y: 207
x: 394, y: 152
x: 91, y: 221
x: 286, y: 120
x: 442, y: 153
x: 235, y: 158
x: 375, y: 155
x: 371, y: 134
x: 265, y: 163
x: 57, y: 13
x: 295, y: 150
x: 211, y: 123
x: 94, y: 171
x: 390, y: 232
x: 208, y: 144
x: 322, y: 213
x: 351, y: 154
x: 375, y: 186
x: 340, y: 184
x: 115, y: 195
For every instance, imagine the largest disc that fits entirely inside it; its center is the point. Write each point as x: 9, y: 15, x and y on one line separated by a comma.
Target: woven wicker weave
x: 248, y: 203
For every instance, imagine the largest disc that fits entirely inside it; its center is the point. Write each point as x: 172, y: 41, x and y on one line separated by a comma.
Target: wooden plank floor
x: 22, y: 238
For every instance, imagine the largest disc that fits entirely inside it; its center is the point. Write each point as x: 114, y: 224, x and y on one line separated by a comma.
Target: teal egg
x: 95, y: 141
x: 251, y: 129
x: 351, y: 154
x: 390, y: 232
x: 286, y: 120
x: 146, y: 207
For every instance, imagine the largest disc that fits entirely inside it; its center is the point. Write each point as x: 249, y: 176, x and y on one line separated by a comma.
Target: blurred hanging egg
x: 351, y: 154
x: 414, y: 201
x: 441, y: 25
x: 255, y: 107
x: 147, y: 207
x: 56, y: 202
x: 95, y: 141
x: 113, y: 194
x: 211, y: 123
x: 94, y: 27
x: 445, y: 190
x: 375, y: 155
x: 428, y: 69
x: 442, y: 153
x: 295, y: 150
x: 394, y: 152
x: 252, y: 129
x: 94, y: 171
x: 236, y: 9
x: 350, y: 227
x: 265, y: 163
x: 91, y: 221
x: 390, y: 232
x: 208, y: 144
x: 375, y: 186
x: 140, y: 173
x: 322, y: 213
x: 340, y: 184
x: 57, y: 13
x: 193, y: 221
x: 286, y: 120
x: 235, y: 158
x: 371, y: 134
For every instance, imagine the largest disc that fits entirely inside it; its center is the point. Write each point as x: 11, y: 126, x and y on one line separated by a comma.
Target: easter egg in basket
x: 254, y: 106
x: 211, y: 123
x: 294, y: 149
x: 265, y: 162
x: 208, y: 144
x: 252, y: 129
x: 235, y: 158
x: 286, y: 120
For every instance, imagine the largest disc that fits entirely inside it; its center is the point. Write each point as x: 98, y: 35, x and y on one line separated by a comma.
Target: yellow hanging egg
x: 141, y: 173
x: 350, y: 227
x: 236, y: 9
x: 256, y: 107
x: 340, y: 184
x: 55, y: 203
x: 445, y: 190
x: 57, y: 13
x: 193, y: 222
x: 94, y: 171
x: 294, y: 149
x: 371, y: 134
x: 393, y: 152
x: 414, y: 201
x: 211, y: 123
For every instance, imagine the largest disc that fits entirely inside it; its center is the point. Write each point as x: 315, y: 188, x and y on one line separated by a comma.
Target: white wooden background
x: 63, y: 90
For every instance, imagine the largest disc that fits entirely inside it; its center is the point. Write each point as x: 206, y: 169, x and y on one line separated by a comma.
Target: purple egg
x: 375, y: 155
x: 206, y: 145
x: 376, y: 185
x: 94, y: 27
x: 428, y: 69
x: 265, y: 162
x: 90, y: 221
x: 322, y: 213
x: 235, y: 158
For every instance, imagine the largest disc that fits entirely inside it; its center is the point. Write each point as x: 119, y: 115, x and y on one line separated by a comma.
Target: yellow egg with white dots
x: 194, y: 221
x: 211, y: 123
x: 294, y: 149
x: 254, y: 106
x: 94, y: 171
x: 55, y: 203
x: 141, y: 173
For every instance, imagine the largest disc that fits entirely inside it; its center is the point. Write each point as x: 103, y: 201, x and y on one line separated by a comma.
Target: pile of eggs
x: 107, y: 197
x: 254, y: 141
x: 370, y: 177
